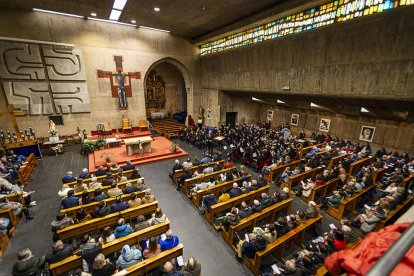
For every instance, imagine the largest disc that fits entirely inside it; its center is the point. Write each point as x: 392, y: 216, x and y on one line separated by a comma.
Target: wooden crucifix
x: 120, y: 82
x: 14, y: 113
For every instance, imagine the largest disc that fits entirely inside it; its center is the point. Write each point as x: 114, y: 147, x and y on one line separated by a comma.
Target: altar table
x: 138, y: 145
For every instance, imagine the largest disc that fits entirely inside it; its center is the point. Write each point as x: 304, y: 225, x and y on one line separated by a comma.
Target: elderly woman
x: 311, y: 211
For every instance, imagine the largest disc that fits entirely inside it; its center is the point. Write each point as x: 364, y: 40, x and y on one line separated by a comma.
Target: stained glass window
x: 334, y: 12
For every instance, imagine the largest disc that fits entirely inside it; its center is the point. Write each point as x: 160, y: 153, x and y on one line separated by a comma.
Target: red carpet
x: 160, y: 151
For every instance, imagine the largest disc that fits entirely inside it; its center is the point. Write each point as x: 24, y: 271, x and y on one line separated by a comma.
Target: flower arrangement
x: 53, y: 132
x: 173, y: 147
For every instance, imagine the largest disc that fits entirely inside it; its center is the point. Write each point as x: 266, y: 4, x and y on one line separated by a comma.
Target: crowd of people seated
x: 9, y: 167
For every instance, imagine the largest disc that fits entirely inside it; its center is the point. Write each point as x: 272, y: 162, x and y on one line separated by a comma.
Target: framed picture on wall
x: 324, y: 125
x: 294, y: 119
x: 270, y: 115
x: 367, y: 133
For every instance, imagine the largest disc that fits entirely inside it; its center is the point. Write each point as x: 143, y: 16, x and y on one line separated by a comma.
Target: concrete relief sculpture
x: 43, y: 79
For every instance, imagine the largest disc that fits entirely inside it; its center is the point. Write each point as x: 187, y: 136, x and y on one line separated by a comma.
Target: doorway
x: 231, y: 118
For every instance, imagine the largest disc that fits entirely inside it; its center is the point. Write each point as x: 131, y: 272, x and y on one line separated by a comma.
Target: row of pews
x: 268, y: 214
x: 24, y: 174
x: 98, y: 224
x: 167, y: 127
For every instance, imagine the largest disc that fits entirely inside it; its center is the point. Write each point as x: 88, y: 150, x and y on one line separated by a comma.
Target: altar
x: 138, y: 145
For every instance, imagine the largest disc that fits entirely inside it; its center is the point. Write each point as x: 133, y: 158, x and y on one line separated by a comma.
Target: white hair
x: 256, y: 202
x: 286, y: 189
x: 312, y: 203
x: 94, y: 178
x: 235, y: 185
x: 177, y: 161
x: 85, y: 170
x: 69, y: 173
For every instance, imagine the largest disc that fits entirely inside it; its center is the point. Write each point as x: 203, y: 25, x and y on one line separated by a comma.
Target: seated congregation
x: 109, y: 224
x: 363, y: 191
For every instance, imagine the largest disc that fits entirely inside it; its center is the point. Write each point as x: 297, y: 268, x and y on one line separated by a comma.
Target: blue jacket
x: 70, y: 201
x: 117, y: 207
x: 122, y: 231
x: 100, y: 173
x: 84, y: 175
x: 128, y: 167
x: 68, y: 179
x: 169, y: 243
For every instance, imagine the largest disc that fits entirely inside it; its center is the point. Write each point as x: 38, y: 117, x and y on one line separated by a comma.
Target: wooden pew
x: 127, y: 174
x: 216, y: 189
x: 90, y: 208
x: 144, y: 267
x: 335, y: 160
x: 192, y: 170
x: 105, y: 189
x: 16, y: 197
x: 80, y: 229
x: 277, y: 247
x: 233, y: 202
x: 75, y: 261
x: 279, y: 170
x: 406, y: 180
x: 295, y: 180
x: 304, y: 151
x: 378, y: 175
x: 4, y: 239
x: 356, y: 166
x: 24, y: 172
x: 185, y: 188
x: 250, y: 222
x: 348, y: 203
x: 393, y: 215
x: 321, y: 190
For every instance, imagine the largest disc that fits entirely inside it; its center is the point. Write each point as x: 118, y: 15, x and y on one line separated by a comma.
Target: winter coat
x: 122, y: 231
x: 359, y: 260
x: 371, y: 223
x: 129, y: 257
x: 28, y: 267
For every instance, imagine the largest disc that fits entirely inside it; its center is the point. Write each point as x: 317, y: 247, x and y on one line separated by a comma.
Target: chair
x: 126, y: 125
x: 143, y: 125
x: 107, y: 128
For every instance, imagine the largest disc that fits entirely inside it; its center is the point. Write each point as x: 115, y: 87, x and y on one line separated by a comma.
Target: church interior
x: 207, y: 137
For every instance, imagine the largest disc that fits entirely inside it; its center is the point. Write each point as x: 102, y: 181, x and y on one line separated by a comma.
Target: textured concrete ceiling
x: 189, y: 18
x: 381, y: 109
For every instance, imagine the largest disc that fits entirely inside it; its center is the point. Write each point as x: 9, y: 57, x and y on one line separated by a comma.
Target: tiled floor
x: 198, y: 237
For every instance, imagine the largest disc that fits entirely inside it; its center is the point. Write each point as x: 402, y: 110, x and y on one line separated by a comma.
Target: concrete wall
x: 370, y: 57
x: 390, y: 134
x: 248, y: 111
x: 99, y: 42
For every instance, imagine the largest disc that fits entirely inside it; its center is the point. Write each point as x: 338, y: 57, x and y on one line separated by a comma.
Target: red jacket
x: 359, y: 260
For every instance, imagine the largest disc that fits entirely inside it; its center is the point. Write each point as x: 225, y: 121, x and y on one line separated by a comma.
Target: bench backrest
x: 142, y: 268
x: 80, y: 229
x: 251, y: 221
x: 216, y: 189
x: 235, y: 201
x: 75, y: 261
x: 90, y: 208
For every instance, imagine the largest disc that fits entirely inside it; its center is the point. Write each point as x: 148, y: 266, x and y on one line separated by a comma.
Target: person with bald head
x: 169, y: 270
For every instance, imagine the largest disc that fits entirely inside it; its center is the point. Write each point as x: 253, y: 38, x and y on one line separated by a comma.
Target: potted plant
x: 88, y: 147
x: 100, y: 144
x: 173, y: 147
